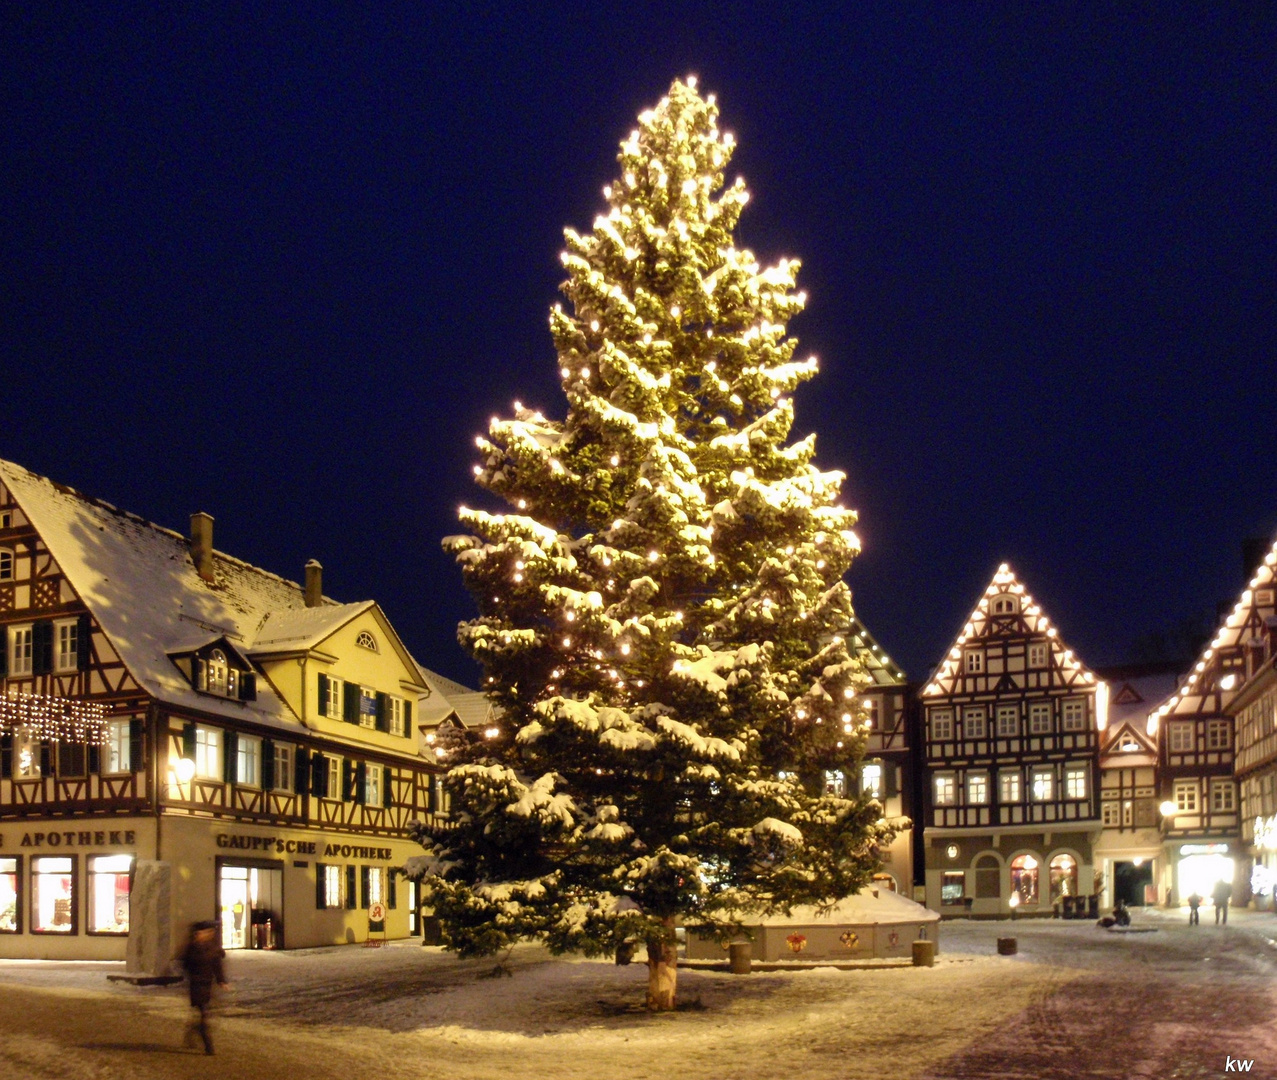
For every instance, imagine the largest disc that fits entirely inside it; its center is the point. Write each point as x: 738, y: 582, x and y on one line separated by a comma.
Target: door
x: 1129, y: 881
x: 235, y: 907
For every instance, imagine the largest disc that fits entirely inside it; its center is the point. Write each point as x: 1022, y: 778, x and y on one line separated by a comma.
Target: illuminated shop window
x: 1063, y: 871
x: 9, y: 896
x: 1024, y: 878
x: 53, y: 895
x: 109, y: 893
x: 953, y: 887
x: 376, y: 884
x: 330, y: 880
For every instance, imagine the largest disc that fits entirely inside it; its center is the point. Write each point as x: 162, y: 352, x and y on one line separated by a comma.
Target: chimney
x: 202, y: 544
x: 314, y: 584
x: 1254, y: 548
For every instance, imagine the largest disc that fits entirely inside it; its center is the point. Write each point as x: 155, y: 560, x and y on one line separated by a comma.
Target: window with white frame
x: 1042, y: 784
x: 1008, y: 721
x: 332, y: 703
x: 1111, y: 813
x: 365, y: 640
x: 372, y: 785
x: 334, y: 777
x: 1004, y: 604
x: 1009, y: 792
x: 974, y: 661
x: 835, y: 783
x: 118, y: 747
x: 332, y: 879
x: 208, y: 752
x: 283, y: 767
x: 1179, y: 736
x: 394, y: 715
x: 1040, y: 718
x: 26, y: 754
x: 20, y: 650
x: 945, y: 790
x: 67, y: 638
x: 376, y: 879
x: 248, y: 760
x: 941, y: 725
x: 1185, y: 796
x: 977, y: 788
x: 1223, y: 796
x: 1075, y: 781
x: 6, y: 564
x: 871, y: 779
x: 974, y: 722
x: 1038, y: 652
x: 1074, y: 714
x: 367, y: 707
x: 1217, y: 735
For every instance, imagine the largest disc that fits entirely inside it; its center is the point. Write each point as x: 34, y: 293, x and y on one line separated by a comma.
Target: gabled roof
x: 303, y: 628
x: 138, y: 580
x: 470, y: 708
x: 1122, y: 736
x: 983, y: 623
x: 878, y: 665
x: 1248, y: 618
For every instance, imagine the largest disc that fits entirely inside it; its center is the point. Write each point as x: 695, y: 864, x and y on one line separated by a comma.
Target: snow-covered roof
x: 138, y: 580
x: 304, y: 628
x: 471, y: 708
x: 869, y: 905
x: 880, y: 667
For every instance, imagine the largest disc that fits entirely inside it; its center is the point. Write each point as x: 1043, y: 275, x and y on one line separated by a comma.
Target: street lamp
x: 1169, y: 808
x: 185, y: 770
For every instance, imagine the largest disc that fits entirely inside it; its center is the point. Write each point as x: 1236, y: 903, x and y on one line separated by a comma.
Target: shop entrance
x: 250, y: 904
x: 1131, y: 882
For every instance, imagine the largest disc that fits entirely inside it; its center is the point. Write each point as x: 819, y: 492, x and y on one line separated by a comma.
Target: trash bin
x: 1007, y: 946
x: 741, y: 954
x: 924, y: 953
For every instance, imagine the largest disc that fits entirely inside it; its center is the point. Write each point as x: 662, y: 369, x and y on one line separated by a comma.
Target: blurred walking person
x: 1222, y: 894
x: 203, y: 962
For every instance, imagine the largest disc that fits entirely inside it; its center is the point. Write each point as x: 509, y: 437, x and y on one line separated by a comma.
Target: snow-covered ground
x: 1075, y: 1001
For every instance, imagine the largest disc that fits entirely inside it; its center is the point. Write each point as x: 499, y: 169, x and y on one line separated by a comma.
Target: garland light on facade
x: 54, y: 719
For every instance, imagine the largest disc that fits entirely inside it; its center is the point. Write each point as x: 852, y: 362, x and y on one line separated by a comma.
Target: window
x: 372, y: 785
x: 68, y: 645
x: 248, y: 760
x: 973, y: 722
x: 1024, y: 878
x: 330, y: 697
x: 1038, y: 654
x: 1008, y: 721
x: 395, y: 715
x: 283, y: 767
x: 1223, y: 796
x: 1009, y: 787
x: 1179, y: 736
x: 1063, y: 877
x: 26, y: 754
x: 871, y: 714
x: 208, y: 753
x: 334, y: 778
x: 367, y: 707
x: 1075, y: 781
x: 1004, y: 605
x: 941, y: 724
x: 1074, y: 714
x: 19, y: 650
x: 53, y: 895
x: 109, y: 893
x: 376, y: 886
x: 945, y: 792
x: 9, y: 898
x: 1040, y: 718
x: 871, y: 780
x: 328, y: 890
x: 953, y: 887
x: 365, y: 640
x: 1110, y: 813
x: 978, y: 788
x: 974, y: 661
x: 117, y: 758
x: 1043, y: 786
x: 835, y: 783
x: 1186, y: 796
x: 218, y: 672
x: 440, y: 800
x: 6, y: 564
x: 1217, y: 735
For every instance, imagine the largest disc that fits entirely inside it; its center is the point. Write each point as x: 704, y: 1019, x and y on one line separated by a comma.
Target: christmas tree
x: 660, y: 608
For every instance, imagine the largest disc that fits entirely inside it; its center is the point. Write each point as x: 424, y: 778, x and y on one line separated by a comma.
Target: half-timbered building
x: 1011, y: 721
x: 254, y: 755
x: 1197, y: 748
x: 1254, y: 712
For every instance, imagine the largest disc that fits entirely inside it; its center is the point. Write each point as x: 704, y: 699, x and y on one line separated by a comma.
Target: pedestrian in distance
x: 1194, y: 902
x: 203, y: 962
x: 1223, y: 892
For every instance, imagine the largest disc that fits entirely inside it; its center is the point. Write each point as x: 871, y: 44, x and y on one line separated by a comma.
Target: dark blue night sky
x: 282, y: 263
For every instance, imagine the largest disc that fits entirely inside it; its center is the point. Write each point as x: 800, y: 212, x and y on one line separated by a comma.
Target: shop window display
x: 1063, y: 877
x: 53, y: 895
x: 8, y: 896
x: 1024, y: 878
x: 109, y: 894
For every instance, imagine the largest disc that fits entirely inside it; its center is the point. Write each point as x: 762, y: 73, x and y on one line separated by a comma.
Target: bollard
x: 1007, y: 946
x: 924, y: 953
x: 741, y: 959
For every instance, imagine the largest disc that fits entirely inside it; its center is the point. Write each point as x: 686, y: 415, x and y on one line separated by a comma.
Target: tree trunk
x: 662, y: 970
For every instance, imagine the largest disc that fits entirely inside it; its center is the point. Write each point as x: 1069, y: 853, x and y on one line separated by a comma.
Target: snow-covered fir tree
x: 660, y: 607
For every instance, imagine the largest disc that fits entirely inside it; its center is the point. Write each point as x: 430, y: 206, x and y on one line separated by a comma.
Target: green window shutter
x: 95, y: 758
x: 361, y: 782
x: 352, y: 897
x: 365, y: 886
x: 4, y: 652
x: 268, y: 764
x: 889, y: 786
x: 301, y: 770
x: 392, y: 892
x: 319, y: 775
x: 383, y: 709
x: 248, y: 686
x: 46, y: 759
x: 321, y: 894
x: 350, y: 702
x: 407, y: 719
x: 84, y: 643
x: 188, y: 740
x: 432, y: 792
x: 42, y: 647
x: 388, y: 787
x: 199, y: 673
x: 323, y: 694
x: 137, y: 744
x: 6, y: 755
x: 229, y: 756
x: 347, y: 780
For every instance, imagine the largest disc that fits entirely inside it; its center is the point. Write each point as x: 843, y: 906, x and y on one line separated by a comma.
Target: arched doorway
x: 1024, y: 880
x: 1063, y: 875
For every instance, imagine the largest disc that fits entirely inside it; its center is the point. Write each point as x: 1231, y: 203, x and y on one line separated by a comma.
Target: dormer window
x: 1005, y: 604
x: 6, y: 564
x: 365, y: 640
x: 214, y: 673
x: 220, y: 675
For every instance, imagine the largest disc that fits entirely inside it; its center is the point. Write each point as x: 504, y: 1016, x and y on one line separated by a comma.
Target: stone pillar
x: 149, y: 949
